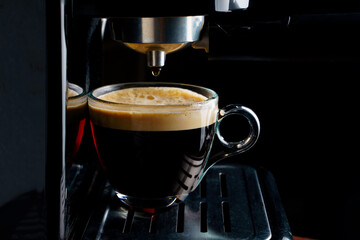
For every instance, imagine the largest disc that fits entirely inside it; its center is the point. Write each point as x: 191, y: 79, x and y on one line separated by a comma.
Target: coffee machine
x: 294, y: 62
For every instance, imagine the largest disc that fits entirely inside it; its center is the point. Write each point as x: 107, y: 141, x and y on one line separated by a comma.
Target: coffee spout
x: 156, y: 58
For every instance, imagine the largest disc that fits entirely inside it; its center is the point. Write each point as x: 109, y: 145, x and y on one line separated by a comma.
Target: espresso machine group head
x: 157, y: 36
x: 154, y: 28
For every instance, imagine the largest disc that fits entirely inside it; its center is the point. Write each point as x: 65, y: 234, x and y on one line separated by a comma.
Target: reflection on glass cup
x: 153, y: 139
x: 75, y: 120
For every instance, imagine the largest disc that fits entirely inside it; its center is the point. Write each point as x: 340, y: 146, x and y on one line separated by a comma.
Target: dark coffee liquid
x: 74, y: 134
x: 153, y: 163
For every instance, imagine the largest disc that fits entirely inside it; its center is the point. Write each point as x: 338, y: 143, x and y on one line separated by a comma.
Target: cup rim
x: 213, y: 95
x: 75, y: 86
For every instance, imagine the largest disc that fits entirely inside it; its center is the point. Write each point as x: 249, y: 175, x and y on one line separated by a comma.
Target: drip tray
x: 232, y: 202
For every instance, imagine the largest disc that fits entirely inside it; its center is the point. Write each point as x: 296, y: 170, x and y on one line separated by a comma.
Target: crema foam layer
x: 153, y: 109
x: 153, y: 96
x: 71, y: 93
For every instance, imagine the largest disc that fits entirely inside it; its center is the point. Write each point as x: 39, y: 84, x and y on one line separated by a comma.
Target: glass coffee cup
x: 76, y: 110
x: 153, y: 140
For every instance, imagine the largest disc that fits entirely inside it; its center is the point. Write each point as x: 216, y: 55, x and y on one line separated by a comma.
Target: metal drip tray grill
x: 229, y: 204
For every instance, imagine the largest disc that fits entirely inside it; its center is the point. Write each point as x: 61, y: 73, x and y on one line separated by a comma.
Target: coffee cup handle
x: 234, y: 148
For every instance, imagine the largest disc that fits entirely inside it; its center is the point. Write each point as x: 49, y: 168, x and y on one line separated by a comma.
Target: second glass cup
x: 76, y: 111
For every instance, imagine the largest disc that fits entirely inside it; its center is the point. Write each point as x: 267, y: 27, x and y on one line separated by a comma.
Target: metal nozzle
x: 156, y: 60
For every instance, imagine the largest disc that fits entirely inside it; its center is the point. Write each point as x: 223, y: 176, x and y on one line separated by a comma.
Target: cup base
x: 146, y: 203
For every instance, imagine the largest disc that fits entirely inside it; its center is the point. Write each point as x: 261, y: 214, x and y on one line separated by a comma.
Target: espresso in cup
x: 75, y: 120
x: 153, y: 139
x: 146, y: 152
